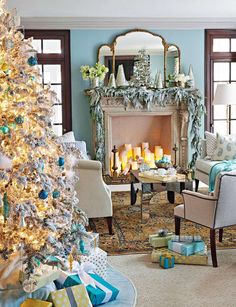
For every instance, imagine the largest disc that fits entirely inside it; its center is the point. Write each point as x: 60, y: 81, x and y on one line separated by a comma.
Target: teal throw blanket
x: 223, y: 166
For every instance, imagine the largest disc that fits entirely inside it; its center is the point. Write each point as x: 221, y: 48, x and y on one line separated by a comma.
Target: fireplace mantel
x: 183, y: 105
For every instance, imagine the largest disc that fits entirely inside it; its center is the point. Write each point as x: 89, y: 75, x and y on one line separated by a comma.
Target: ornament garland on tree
x: 142, y: 70
x: 39, y: 213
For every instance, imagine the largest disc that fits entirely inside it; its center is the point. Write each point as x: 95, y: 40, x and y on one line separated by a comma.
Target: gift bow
x: 167, y: 255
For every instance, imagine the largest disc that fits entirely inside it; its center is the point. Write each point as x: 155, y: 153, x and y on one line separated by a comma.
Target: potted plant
x: 94, y: 73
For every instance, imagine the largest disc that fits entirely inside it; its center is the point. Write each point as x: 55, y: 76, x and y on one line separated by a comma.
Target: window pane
x: 233, y: 44
x: 233, y: 127
x: 57, y: 129
x: 233, y: 110
x: 57, y: 90
x: 233, y: 71
x: 51, y: 46
x: 37, y: 45
x: 220, y: 126
x: 52, y: 74
x: 221, y: 45
x: 220, y: 112
x: 221, y: 71
x: 57, y: 118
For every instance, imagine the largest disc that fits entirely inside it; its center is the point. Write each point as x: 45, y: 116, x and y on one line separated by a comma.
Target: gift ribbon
x: 71, y: 297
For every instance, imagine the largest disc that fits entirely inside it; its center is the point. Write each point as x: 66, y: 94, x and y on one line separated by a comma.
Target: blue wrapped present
x: 98, y: 289
x: 167, y: 261
x: 186, y: 249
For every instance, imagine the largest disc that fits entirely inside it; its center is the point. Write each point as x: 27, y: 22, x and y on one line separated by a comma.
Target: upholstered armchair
x: 94, y: 194
x: 215, y: 212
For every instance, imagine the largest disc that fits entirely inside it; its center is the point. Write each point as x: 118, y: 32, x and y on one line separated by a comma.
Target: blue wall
x: 84, y: 45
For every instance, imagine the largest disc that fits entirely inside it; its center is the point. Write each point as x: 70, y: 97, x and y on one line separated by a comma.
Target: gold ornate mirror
x: 172, y: 60
x: 164, y: 59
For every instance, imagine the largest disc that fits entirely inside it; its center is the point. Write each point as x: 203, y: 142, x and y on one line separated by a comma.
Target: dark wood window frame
x: 64, y: 60
x: 210, y: 58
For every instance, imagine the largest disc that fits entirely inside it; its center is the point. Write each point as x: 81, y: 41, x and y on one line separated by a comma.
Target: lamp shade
x: 225, y: 94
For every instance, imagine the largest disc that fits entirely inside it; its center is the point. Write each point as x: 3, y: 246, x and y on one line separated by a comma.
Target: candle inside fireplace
x: 152, y: 162
x: 128, y: 148
x: 137, y: 152
x: 158, y: 153
x: 134, y: 165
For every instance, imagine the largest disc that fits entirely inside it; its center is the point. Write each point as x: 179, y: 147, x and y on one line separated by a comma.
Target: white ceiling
x: 106, y: 13
x: 125, y: 8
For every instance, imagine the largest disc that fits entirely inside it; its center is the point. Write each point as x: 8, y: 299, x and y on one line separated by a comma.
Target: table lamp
x: 225, y: 94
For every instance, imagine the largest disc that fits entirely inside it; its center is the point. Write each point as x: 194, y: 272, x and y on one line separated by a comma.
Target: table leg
x: 171, y: 197
x: 133, y: 194
x: 141, y: 205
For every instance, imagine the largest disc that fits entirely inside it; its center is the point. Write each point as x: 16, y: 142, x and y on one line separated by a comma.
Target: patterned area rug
x: 131, y: 236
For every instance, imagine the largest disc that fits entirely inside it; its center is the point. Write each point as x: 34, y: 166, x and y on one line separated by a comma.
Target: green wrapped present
x: 99, y: 290
x: 30, y: 302
x: 186, y: 249
x: 167, y: 261
x: 200, y: 258
x: 157, y: 240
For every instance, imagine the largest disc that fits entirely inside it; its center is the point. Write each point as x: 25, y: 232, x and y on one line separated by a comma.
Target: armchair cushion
x: 225, y: 148
x: 210, y: 143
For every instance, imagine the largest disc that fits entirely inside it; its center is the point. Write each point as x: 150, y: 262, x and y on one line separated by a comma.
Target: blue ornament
x: 32, y: 61
x: 5, y: 129
x: 81, y: 246
x: 43, y: 194
x: 19, y: 120
x: 56, y: 194
x: 61, y: 161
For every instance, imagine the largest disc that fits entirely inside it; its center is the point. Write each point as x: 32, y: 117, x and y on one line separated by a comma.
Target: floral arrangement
x: 97, y: 71
x: 182, y: 78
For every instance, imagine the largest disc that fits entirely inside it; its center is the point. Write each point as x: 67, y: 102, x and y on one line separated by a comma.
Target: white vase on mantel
x: 95, y: 82
x: 112, y: 81
x: 120, y: 78
x: 191, y: 76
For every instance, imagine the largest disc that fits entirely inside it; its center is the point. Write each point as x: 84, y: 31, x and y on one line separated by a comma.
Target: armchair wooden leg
x: 109, y: 224
x: 177, y: 225
x: 213, y: 247
x: 220, y: 234
x: 196, y: 185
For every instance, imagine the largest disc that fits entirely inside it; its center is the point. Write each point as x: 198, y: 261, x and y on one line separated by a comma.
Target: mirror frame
x: 114, y: 43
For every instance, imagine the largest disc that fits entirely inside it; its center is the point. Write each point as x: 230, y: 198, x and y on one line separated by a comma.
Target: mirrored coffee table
x: 172, y: 185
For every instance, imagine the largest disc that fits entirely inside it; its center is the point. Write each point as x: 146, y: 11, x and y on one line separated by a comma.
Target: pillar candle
x: 128, y: 148
x: 152, y: 162
x: 147, y: 156
x: 158, y: 153
x: 145, y: 145
x: 124, y: 159
x: 137, y: 152
x: 134, y: 165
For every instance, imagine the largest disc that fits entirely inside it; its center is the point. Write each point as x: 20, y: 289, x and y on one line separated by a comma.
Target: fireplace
x: 161, y: 126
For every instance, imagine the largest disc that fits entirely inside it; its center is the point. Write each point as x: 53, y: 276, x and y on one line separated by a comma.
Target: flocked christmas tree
x: 39, y: 213
x: 142, y: 71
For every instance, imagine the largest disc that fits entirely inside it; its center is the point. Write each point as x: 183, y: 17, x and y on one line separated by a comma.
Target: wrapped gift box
x: 99, y: 259
x: 186, y: 249
x: 73, y: 296
x: 98, y: 289
x: 187, y: 239
x: 199, y: 258
x: 167, y: 261
x: 159, y: 241
x: 35, y: 303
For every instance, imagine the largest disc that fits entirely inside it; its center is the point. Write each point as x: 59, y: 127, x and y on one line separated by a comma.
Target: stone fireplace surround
x: 113, y: 107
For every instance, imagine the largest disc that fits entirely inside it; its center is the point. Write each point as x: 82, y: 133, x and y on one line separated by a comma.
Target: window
x: 220, y: 68
x: 53, y: 53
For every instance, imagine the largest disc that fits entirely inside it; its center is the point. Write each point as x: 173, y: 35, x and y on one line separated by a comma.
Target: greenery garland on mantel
x: 147, y: 98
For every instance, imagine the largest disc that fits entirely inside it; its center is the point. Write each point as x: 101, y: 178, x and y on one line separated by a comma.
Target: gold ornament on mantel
x: 38, y: 204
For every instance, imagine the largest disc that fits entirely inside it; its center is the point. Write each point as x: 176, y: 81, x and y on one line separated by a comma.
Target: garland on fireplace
x: 142, y: 97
